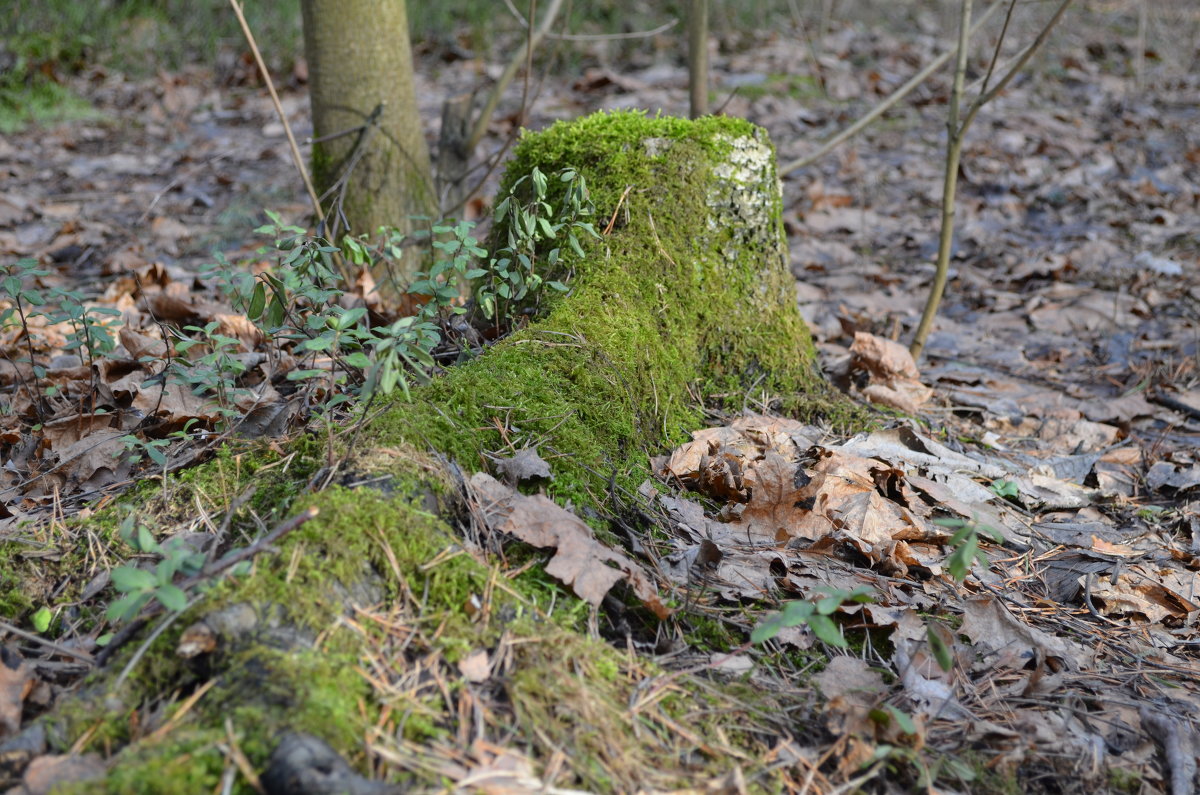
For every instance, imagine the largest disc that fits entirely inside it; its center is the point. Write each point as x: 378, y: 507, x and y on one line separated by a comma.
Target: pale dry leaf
x: 934, y: 696
x: 476, y: 667
x: 904, y: 396
x: 992, y: 628
x: 884, y: 359
x: 47, y: 774
x: 851, y: 690
x: 525, y: 465
x: 580, y: 561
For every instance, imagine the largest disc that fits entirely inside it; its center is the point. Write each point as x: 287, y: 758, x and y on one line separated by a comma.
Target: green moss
x: 13, y: 599
x: 711, y: 634
x: 803, y: 87
x: 1121, y: 780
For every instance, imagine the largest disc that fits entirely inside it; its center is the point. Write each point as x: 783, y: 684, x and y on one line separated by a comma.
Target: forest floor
x: 1064, y: 366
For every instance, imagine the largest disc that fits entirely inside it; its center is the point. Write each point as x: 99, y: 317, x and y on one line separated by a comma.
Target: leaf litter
x: 1058, y: 402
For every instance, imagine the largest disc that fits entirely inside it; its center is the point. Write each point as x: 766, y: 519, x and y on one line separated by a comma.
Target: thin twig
x: 287, y: 128
x: 882, y: 107
x: 956, y: 132
x: 510, y: 71
x: 49, y: 644
x: 141, y: 651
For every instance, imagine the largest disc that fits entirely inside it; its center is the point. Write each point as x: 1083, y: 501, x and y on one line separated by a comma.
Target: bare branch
x: 877, y: 111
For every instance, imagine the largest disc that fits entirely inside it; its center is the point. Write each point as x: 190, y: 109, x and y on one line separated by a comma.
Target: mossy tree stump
x: 686, y: 301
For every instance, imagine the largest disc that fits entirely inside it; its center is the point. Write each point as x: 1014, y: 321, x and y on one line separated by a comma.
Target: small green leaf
x: 156, y: 455
x: 145, y: 540
x: 258, y: 301
x: 276, y: 313
x: 828, y: 605
x: 941, y: 652
x: 826, y: 629
x: 766, y: 630
x: 321, y: 343
x: 903, y: 720
x: 301, y: 375
x: 41, y: 619
x: 1002, y: 487
x: 127, y: 606
x: 171, y: 596
x: 128, y: 579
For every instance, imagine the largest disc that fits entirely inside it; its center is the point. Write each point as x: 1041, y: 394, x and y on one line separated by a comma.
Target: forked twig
x: 877, y: 111
x: 957, y: 131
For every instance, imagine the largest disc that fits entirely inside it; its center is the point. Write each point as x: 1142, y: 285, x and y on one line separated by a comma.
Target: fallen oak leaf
x: 580, y: 561
x: 778, y: 500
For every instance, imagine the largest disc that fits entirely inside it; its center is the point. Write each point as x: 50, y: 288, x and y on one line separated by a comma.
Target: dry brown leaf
x: 62, y: 433
x: 884, y: 359
x: 1147, y: 594
x: 16, y: 682
x: 139, y: 345
x: 777, y: 504
x: 47, y: 773
x: 241, y: 328
x: 992, y: 628
x: 895, y: 379
x: 525, y: 465
x: 903, y: 396
x: 785, y: 436
x: 101, y: 449
x: 580, y: 561
x: 852, y: 690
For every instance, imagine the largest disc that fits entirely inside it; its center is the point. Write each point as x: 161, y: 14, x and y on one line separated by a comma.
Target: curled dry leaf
x: 580, y: 561
x: 895, y: 379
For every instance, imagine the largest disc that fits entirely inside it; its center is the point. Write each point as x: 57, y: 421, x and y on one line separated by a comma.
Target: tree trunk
x: 370, y: 159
